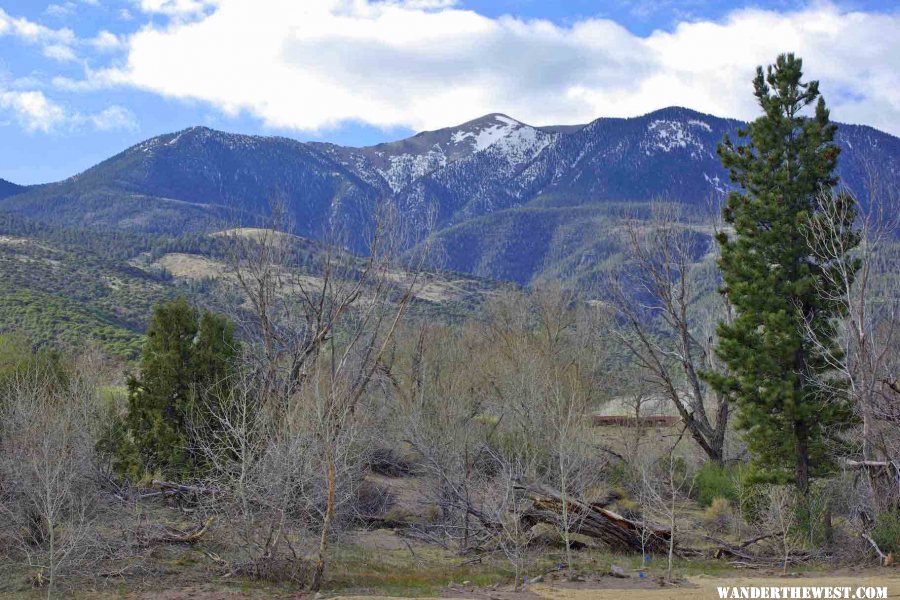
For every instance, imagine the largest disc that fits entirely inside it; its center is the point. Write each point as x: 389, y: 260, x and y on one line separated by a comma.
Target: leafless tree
x: 781, y: 517
x: 548, y: 362
x: 440, y: 411
x: 324, y: 326
x: 507, y: 507
x: 48, y: 433
x: 662, y: 487
x: 854, y: 279
x: 656, y: 297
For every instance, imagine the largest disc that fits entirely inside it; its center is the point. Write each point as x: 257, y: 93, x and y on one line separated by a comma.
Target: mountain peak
x: 491, y: 118
x: 484, y: 132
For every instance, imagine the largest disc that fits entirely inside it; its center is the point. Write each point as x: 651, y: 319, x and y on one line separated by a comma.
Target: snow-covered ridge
x: 486, y: 136
x: 668, y: 135
x: 404, y: 168
x: 502, y: 137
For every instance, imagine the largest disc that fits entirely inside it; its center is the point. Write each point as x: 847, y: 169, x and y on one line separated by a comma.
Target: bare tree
x: 48, y: 433
x: 548, y: 362
x: 440, y: 412
x: 324, y: 326
x: 506, y: 505
x: 662, y: 486
x: 865, y: 359
x: 781, y: 517
x: 254, y: 460
x: 656, y: 296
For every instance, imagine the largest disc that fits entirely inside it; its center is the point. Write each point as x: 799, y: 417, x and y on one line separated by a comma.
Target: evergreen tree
x: 186, y: 354
x: 775, y: 282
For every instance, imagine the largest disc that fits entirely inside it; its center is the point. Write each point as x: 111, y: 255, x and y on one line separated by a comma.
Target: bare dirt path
x: 694, y: 588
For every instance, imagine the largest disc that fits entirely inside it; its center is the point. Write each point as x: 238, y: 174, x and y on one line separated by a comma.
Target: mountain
x: 8, y: 188
x: 196, y: 180
x: 508, y: 200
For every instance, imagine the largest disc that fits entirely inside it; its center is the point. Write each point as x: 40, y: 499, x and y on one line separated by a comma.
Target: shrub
x: 714, y: 481
x: 718, y: 515
x: 887, y: 532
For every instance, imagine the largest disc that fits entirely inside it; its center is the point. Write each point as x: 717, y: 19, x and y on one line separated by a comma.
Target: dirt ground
x: 382, y: 564
x: 694, y: 588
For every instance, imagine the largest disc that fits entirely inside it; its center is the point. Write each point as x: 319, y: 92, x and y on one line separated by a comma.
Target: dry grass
x: 382, y: 563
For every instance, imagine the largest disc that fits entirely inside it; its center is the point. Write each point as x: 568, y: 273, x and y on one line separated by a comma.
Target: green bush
x: 714, y: 481
x: 187, y: 352
x: 887, y: 532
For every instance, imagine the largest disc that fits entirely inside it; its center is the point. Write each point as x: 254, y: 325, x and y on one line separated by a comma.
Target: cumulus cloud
x: 310, y: 65
x: 59, y: 52
x: 176, y: 7
x: 113, y: 118
x: 34, y: 112
x: 61, y: 10
x: 55, y: 43
x: 314, y: 64
x: 105, y: 41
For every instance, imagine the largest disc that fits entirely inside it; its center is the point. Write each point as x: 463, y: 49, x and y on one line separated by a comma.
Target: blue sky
x: 81, y: 80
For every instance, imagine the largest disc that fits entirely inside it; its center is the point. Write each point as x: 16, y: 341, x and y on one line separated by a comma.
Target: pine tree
x: 775, y: 282
x: 185, y: 355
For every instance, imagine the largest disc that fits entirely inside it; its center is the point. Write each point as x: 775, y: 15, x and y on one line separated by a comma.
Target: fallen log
x: 174, y: 536
x: 593, y: 520
x: 166, y: 534
x: 738, y: 554
x: 183, y: 488
x: 382, y: 522
x: 875, y: 547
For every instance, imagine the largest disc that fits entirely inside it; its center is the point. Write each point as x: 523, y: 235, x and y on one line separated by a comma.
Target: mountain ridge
x: 8, y: 188
x: 198, y: 179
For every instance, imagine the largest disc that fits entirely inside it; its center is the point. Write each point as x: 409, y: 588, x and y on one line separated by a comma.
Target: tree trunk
x: 316, y: 582
x: 801, y: 447
x: 672, y: 519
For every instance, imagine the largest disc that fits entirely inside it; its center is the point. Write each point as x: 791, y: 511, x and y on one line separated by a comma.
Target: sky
x: 81, y: 80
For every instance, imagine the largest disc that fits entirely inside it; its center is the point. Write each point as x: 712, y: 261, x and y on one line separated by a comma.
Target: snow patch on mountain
x: 405, y: 168
x: 701, y: 124
x: 484, y: 135
x: 505, y: 142
x: 667, y: 135
x: 489, y: 136
x: 523, y: 143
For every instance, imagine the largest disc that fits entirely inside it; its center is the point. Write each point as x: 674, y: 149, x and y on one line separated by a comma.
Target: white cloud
x: 33, y: 110
x: 30, y: 31
x: 64, y: 9
x: 113, y: 118
x: 55, y: 43
x: 59, y: 52
x: 313, y: 64
x: 105, y: 41
x: 176, y: 7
